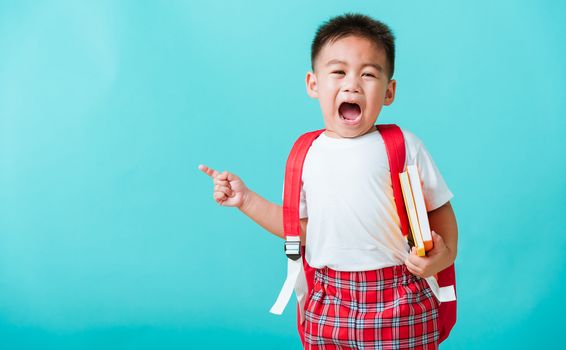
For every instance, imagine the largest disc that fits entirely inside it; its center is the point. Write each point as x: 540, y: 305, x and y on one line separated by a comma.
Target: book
x: 422, y: 213
x: 416, y: 209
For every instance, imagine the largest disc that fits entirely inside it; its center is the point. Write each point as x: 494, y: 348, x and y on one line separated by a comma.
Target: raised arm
x: 230, y: 191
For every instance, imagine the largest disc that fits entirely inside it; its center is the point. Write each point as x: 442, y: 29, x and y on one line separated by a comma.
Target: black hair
x: 359, y: 25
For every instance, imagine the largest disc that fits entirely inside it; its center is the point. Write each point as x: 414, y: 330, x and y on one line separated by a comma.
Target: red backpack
x: 395, y: 146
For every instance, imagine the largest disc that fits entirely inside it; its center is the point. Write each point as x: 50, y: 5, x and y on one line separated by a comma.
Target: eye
x: 341, y: 72
x: 368, y: 75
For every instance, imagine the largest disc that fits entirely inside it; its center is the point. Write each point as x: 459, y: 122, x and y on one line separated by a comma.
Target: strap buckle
x: 293, y: 247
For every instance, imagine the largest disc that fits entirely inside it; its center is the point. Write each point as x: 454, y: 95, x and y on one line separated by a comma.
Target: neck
x: 333, y: 134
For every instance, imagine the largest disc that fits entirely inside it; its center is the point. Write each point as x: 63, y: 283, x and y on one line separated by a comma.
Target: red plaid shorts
x: 389, y: 308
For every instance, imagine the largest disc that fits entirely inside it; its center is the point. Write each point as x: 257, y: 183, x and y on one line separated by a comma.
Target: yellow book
x: 412, y: 213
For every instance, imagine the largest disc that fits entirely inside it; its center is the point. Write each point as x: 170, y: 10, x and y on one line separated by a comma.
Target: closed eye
x: 338, y: 72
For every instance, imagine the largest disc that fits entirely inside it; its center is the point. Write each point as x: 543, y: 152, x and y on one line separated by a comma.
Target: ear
x: 312, y: 87
x: 390, y: 92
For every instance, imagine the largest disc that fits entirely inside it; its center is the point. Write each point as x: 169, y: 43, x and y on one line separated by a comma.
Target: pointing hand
x: 229, y: 189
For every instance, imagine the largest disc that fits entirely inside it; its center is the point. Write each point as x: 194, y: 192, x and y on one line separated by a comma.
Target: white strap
x: 296, y: 281
x: 301, y: 290
x: 443, y: 294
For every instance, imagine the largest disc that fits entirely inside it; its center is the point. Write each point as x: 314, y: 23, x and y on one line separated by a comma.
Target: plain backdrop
x: 110, y: 238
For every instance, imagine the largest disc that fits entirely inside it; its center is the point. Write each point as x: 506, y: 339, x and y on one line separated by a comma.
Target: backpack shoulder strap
x: 396, y: 154
x: 296, y: 279
x: 292, y: 192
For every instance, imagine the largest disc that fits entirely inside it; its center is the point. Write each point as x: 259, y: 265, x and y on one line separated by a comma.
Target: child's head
x: 353, y: 59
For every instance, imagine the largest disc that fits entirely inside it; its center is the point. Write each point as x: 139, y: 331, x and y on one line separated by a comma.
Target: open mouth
x: 349, y: 111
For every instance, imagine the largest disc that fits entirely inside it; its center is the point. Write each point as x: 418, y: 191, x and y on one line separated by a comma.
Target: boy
x: 369, y: 290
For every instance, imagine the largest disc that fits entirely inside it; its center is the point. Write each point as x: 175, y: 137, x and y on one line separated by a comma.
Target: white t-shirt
x: 348, y: 198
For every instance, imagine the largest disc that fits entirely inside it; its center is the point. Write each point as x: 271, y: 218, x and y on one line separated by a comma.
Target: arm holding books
x: 445, y: 239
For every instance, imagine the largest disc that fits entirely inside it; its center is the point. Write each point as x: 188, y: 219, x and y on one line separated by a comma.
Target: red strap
x: 395, y: 146
x: 293, y: 178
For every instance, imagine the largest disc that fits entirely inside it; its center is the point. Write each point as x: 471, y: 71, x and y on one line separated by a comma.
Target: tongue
x: 349, y: 111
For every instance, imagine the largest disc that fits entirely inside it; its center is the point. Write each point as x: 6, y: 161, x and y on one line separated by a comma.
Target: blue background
x: 109, y: 237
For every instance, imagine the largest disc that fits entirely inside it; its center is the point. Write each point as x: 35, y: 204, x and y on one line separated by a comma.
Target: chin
x: 354, y: 131
x: 349, y: 133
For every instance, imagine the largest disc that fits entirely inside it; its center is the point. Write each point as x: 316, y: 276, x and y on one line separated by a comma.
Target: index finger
x: 208, y: 171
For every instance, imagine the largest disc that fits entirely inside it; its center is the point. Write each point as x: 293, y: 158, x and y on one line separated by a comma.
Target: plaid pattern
x: 389, y: 308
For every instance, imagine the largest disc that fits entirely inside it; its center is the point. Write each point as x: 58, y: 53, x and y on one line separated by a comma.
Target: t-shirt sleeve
x: 302, y: 203
x: 435, y: 191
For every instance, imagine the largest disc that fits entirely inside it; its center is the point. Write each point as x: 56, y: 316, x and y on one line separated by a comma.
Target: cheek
x: 377, y: 94
x: 327, y: 106
x: 327, y: 98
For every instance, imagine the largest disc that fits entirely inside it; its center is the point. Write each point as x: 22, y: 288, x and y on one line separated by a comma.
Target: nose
x: 351, y: 84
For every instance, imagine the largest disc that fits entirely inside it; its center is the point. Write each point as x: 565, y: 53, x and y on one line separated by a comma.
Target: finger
x: 415, y: 270
x: 232, y: 177
x: 410, y: 260
x: 221, y: 182
x: 437, y: 238
x: 417, y: 261
x: 219, y: 197
x: 208, y: 171
x: 411, y: 270
x: 223, y: 175
x: 437, y: 243
x: 223, y: 189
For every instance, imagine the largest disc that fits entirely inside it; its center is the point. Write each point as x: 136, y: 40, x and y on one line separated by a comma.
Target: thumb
x: 437, y: 239
x: 231, y: 176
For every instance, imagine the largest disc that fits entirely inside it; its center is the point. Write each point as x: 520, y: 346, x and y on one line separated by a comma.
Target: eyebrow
x: 374, y: 65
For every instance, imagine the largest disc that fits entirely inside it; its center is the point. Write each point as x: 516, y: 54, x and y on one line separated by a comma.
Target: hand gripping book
x: 416, y: 209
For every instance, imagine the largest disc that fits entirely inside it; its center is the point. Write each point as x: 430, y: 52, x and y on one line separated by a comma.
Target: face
x: 350, y: 80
